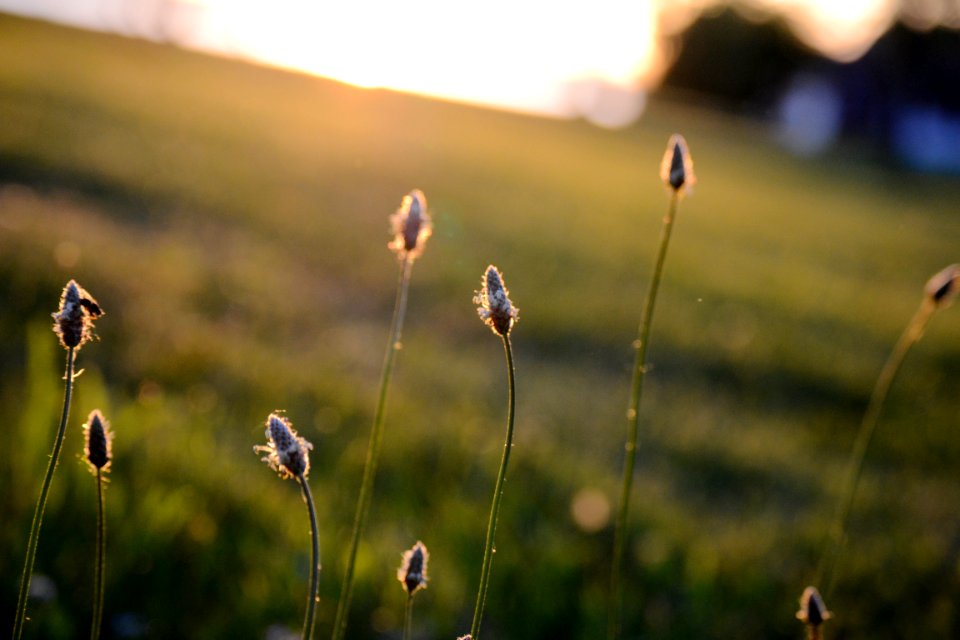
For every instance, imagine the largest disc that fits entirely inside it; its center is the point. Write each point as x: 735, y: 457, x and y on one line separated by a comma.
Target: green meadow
x: 232, y: 221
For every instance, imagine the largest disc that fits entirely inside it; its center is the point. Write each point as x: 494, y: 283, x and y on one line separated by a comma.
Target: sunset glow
x: 594, y: 60
x: 499, y: 52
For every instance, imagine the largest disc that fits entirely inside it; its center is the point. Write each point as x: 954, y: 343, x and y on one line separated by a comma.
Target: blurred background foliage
x: 232, y: 222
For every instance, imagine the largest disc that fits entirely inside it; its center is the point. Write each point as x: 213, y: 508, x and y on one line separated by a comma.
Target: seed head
x: 412, y: 573
x: 74, y: 321
x: 812, y: 610
x: 411, y: 226
x: 98, y: 442
x: 942, y: 288
x: 676, y: 169
x: 495, y: 309
x: 287, y: 453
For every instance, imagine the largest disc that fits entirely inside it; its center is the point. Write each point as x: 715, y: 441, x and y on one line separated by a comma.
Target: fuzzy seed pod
x: 812, y: 610
x: 74, y: 321
x: 495, y: 309
x: 676, y: 169
x: 287, y: 453
x: 412, y: 573
x: 98, y: 442
x: 942, y: 288
x: 411, y: 226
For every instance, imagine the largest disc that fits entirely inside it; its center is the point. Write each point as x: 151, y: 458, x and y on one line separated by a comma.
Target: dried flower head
x: 495, y: 308
x: 411, y: 226
x: 74, y: 321
x: 812, y: 610
x: 287, y: 453
x: 676, y: 169
x: 98, y: 442
x: 412, y: 573
x: 942, y: 288
x: 466, y: 637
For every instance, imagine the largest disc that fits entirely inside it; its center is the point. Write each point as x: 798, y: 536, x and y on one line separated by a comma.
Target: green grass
x: 232, y: 221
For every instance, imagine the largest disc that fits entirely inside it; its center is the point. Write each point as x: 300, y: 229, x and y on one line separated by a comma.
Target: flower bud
x: 287, y: 453
x: 942, y: 288
x: 812, y: 610
x: 98, y: 442
x: 73, y: 322
x: 676, y: 168
x: 412, y: 573
x: 411, y: 226
x: 495, y: 309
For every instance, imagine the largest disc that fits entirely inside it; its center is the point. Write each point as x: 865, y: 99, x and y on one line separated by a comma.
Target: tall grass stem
x: 100, y: 563
x: 373, y: 449
x: 42, y: 501
x: 633, y: 424
x: 489, y: 548
x: 408, y: 617
x: 835, y: 540
x: 311, y: 617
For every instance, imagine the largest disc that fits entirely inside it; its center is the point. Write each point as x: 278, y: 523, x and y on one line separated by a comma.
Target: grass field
x: 232, y: 222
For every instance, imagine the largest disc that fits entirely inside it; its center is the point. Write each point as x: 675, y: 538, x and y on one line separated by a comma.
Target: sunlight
x: 842, y: 30
x: 593, y: 60
x: 524, y: 55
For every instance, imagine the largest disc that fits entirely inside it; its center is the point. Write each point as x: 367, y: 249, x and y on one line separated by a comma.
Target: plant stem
x: 489, y: 549
x: 910, y: 335
x: 408, y: 617
x: 99, y: 567
x: 633, y: 425
x: 42, y: 502
x: 312, y: 596
x: 373, y: 449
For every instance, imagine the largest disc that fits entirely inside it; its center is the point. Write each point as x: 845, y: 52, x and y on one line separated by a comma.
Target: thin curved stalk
x: 373, y: 450
x: 42, y: 501
x: 100, y: 563
x: 408, y: 618
x: 489, y: 550
x: 312, y: 597
x: 633, y: 425
x: 908, y: 338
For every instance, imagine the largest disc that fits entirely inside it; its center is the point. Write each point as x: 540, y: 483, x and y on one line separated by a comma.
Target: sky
x: 584, y: 58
